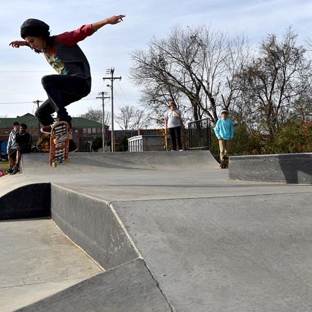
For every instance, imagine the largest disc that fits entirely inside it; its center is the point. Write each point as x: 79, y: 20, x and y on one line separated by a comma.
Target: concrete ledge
x: 285, y: 168
x: 29, y: 201
x: 92, y: 225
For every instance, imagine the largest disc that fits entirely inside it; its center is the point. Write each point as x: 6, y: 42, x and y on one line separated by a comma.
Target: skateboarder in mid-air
x: 65, y: 56
x: 224, y: 131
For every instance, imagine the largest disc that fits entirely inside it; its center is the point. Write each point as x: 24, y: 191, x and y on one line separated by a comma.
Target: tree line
x: 266, y: 88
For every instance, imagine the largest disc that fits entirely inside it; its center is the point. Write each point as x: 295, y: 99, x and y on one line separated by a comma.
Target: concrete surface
x: 251, y: 254
x: 37, y: 261
x: 176, y: 225
x: 130, y: 288
x: 285, y: 168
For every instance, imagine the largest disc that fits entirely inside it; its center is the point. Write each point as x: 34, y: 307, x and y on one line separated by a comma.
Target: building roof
x: 83, y: 122
x: 31, y: 121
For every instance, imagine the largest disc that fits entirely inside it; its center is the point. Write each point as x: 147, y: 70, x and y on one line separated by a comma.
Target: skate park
x: 157, y: 231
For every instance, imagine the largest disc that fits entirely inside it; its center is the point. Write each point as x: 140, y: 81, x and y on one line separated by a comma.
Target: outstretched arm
x: 19, y: 43
x: 115, y: 19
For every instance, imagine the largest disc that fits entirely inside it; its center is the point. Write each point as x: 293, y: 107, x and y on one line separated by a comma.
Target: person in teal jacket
x: 224, y: 131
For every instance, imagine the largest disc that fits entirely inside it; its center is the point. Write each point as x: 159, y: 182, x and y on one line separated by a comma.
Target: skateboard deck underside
x: 59, y: 143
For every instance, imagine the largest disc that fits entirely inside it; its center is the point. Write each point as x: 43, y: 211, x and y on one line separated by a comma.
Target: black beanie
x: 34, y: 27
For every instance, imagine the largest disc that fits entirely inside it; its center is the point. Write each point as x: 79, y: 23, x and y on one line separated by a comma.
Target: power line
x: 6, y: 103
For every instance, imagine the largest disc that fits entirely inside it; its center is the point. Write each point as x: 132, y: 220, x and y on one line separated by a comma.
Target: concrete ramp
x: 205, y: 255
x: 175, y: 234
x: 94, y: 226
x: 128, y: 288
x: 90, y: 162
x: 242, y: 254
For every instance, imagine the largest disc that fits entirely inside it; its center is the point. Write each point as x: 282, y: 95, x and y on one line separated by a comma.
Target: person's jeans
x: 61, y: 90
x: 175, y: 134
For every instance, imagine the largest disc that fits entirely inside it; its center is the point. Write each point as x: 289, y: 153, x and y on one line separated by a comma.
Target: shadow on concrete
x: 28, y: 201
x: 284, y: 168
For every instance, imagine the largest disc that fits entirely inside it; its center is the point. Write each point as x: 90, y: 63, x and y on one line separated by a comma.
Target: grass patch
x: 5, y: 165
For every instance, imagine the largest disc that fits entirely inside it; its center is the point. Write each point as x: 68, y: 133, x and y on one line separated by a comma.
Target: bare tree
x: 96, y: 115
x: 131, y: 118
x: 194, y: 67
x: 302, y: 107
x: 272, y: 81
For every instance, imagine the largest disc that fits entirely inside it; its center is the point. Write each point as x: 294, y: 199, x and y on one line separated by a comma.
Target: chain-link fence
x: 199, y: 134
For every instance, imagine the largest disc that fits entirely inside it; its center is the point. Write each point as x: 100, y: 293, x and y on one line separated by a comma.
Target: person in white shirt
x: 173, y: 123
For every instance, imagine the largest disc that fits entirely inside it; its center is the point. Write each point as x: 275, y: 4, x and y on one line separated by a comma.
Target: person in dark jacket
x: 23, y: 142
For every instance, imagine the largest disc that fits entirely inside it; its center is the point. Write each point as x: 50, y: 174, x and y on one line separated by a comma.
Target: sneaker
x: 180, y: 150
x: 46, y: 129
x: 15, y: 169
x: 10, y: 170
x: 72, y: 146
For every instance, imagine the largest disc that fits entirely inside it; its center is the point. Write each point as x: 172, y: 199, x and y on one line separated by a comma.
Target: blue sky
x: 21, y: 69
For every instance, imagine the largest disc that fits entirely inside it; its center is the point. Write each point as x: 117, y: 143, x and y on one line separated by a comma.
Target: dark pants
x: 14, y: 157
x: 175, y: 134
x: 61, y: 90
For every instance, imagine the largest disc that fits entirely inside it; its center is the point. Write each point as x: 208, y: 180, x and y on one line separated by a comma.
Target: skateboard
x: 59, y: 143
x: 224, y: 164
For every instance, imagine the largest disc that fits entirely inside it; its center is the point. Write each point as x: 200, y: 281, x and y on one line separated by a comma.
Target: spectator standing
x: 12, y: 145
x: 224, y: 131
x: 173, y: 123
x: 23, y: 141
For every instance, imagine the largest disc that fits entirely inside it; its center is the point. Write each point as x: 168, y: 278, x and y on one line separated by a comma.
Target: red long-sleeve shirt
x: 66, y: 57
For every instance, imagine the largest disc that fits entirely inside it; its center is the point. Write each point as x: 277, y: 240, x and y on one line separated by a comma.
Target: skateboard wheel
x: 55, y: 141
x: 54, y: 164
x: 67, y: 160
x: 70, y: 136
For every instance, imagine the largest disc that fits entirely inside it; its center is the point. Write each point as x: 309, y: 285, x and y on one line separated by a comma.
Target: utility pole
x: 112, y: 78
x: 38, y: 102
x: 103, y: 97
